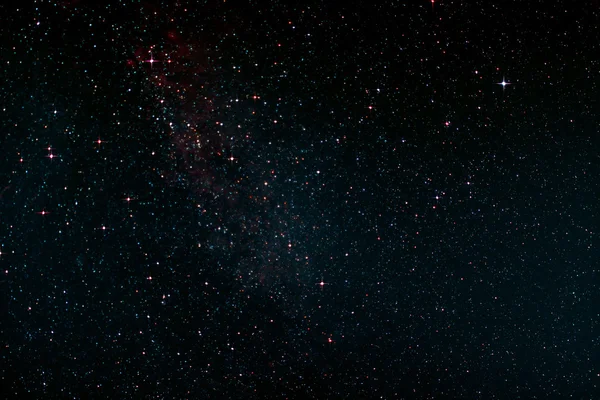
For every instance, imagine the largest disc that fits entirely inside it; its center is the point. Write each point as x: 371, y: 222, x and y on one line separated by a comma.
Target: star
x: 504, y: 83
x: 151, y: 60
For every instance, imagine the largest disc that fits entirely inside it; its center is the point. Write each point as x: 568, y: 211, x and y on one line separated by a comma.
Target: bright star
x: 503, y: 83
x: 151, y: 60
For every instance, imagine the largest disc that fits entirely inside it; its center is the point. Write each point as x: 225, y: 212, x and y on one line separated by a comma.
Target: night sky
x: 300, y: 200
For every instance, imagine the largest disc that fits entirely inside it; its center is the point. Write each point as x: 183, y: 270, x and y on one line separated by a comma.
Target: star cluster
x: 223, y: 199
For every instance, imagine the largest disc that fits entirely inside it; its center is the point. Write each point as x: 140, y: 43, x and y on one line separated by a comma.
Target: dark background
x: 451, y: 220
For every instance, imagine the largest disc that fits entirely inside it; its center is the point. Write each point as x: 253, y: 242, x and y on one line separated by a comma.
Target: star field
x: 232, y: 199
